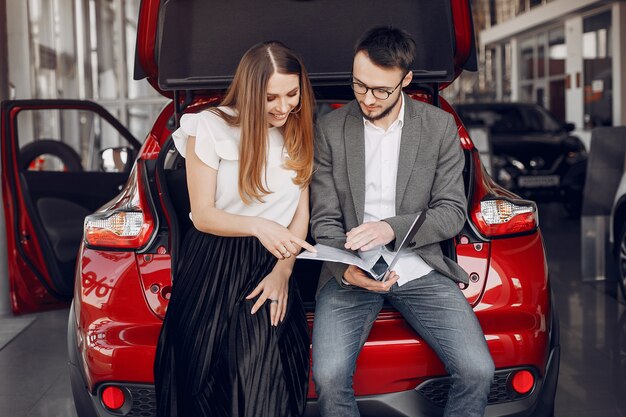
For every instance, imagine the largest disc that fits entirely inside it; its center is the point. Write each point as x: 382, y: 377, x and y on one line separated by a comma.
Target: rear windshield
x: 201, y: 41
x: 522, y: 119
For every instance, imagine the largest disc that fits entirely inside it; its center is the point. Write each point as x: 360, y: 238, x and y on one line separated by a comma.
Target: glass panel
x: 52, y: 37
x: 490, y: 65
x: 141, y: 117
x: 541, y: 61
x: 540, y: 96
x: 64, y: 32
x: 557, y: 99
x: 105, y: 41
x: 506, y: 76
x: 528, y: 59
x: 526, y: 94
x: 500, y: 10
x: 64, y: 140
x: 557, y: 51
x: 597, y: 67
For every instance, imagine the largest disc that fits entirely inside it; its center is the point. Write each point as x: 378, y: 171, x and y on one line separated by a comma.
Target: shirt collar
x: 397, y: 124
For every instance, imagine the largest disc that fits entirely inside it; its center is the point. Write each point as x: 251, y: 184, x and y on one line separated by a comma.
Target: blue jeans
x: 434, y: 306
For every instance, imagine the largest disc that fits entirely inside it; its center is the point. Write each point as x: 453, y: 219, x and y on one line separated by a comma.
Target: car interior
x: 59, y: 192
x: 58, y: 203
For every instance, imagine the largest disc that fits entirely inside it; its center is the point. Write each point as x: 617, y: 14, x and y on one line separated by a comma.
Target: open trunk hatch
x: 197, y: 44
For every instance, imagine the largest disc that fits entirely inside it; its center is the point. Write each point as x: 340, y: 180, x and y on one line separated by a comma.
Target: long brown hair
x: 247, y: 94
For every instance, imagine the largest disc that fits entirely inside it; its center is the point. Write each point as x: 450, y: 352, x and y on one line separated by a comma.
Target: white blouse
x: 217, y: 145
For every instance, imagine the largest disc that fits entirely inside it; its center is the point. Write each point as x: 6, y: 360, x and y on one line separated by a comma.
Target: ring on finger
x: 273, y: 301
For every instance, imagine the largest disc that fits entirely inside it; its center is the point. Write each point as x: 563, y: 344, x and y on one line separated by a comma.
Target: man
x: 381, y: 160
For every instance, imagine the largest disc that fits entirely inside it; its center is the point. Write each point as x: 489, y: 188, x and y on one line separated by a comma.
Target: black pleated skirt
x: 213, y: 357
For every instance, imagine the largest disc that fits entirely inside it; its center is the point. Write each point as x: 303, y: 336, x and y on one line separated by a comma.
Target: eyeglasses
x: 378, y: 92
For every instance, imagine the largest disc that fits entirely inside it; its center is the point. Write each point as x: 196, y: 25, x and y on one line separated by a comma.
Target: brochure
x: 331, y: 254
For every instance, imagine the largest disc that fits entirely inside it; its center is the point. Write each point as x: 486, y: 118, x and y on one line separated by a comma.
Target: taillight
x: 496, y: 212
x: 501, y: 216
x: 126, y: 221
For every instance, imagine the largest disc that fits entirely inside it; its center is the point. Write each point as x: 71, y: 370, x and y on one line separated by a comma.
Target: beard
x: 384, y: 113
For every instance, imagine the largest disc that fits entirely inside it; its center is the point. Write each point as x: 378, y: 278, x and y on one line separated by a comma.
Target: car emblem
x: 537, y: 162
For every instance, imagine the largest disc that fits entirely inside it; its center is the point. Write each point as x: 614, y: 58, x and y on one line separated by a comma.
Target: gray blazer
x: 429, y: 176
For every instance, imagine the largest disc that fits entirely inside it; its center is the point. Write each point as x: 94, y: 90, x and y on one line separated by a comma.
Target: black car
x: 533, y: 154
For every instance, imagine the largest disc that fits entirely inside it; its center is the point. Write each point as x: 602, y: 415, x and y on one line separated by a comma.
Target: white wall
x: 618, y: 24
x: 539, y: 16
x: 5, y: 304
x: 574, y: 96
x: 19, y: 48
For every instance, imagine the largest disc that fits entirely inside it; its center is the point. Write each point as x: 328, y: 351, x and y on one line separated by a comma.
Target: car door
x: 61, y: 160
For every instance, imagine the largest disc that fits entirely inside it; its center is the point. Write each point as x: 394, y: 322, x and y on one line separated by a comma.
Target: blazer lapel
x: 409, y: 147
x: 354, y: 140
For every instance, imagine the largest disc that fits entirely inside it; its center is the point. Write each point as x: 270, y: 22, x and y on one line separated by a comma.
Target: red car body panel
x: 155, y: 277
x: 158, y: 134
x: 510, y: 298
x: 121, y: 333
x: 146, y: 39
x: 464, y: 31
x: 116, y: 333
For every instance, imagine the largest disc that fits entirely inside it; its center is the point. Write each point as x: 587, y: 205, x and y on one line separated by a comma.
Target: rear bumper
x: 540, y: 403
x: 410, y: 403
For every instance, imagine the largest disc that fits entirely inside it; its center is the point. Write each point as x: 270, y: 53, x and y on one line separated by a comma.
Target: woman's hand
x: 278, y: 240
x: 275, y: 289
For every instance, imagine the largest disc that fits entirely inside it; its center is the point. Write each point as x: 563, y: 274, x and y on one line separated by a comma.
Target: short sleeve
x: 197, y: 125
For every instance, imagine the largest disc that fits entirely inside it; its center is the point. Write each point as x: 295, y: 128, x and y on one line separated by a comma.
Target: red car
x: 104, y: 227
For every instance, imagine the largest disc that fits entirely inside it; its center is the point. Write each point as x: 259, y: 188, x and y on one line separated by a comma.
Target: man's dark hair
x: 388, y: 47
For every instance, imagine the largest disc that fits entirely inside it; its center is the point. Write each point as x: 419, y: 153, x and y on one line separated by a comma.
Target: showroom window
x: 597, y: 69
x: 557, y: 53
x: 494, y: 76
x: 507, y: 64
x: 86, y: 49
x: 502, y: 10
x: 527, y: 69
x: 542, y: 70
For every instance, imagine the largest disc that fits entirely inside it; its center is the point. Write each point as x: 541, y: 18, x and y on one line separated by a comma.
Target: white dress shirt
x: 382, y: 150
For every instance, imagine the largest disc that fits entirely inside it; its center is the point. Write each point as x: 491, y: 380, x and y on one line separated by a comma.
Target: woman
x: 234, y: 340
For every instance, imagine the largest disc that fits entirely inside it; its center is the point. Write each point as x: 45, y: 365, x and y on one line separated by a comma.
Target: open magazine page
x: 328, y: 253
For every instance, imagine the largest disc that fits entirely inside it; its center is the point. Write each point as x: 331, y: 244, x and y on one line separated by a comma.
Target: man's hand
x: 355, y: 276
x: 369, y: 235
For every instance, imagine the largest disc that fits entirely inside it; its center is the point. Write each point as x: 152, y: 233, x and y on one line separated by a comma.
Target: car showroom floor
x: 592, y: 381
